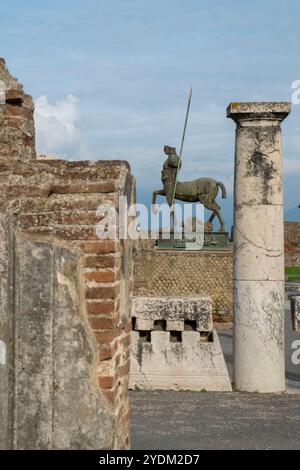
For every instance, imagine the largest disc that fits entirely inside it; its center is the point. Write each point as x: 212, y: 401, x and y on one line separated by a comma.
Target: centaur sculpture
x: 203, y: 190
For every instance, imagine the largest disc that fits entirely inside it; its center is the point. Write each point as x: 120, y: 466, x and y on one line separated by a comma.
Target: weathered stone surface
x: 6, y: 331
x: 5, y: 335
x: 188, y: 365
x: 258, y: 151
x: 175, y: 347
x: 252, y: 242
x: 258, y: 247
x: 2, y: 353
x: 277, y: 110
x: 172, y: 309
x: 259, y: 336
x: 17, y: 134
x: 46, y: 200
x: 57, y: 401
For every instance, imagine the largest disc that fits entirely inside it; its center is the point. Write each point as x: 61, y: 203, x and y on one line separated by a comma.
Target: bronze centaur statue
x: 204, y: 190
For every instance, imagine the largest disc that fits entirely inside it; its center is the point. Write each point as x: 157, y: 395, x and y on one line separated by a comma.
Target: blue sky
x: 111, y: 78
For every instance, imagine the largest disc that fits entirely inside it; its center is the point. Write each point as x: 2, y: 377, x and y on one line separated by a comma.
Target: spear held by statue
x: 203, y: 190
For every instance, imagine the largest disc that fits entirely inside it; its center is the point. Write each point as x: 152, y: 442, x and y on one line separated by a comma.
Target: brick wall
x: 292, y: 234
x: 64, y: 209
x: 198, y: 273
x: 292, y: 243
x: 186, y: 273
x: 57, y: 200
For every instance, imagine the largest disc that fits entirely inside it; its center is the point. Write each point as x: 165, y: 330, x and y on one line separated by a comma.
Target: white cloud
x: 291, y: 166
x: 57, y: 130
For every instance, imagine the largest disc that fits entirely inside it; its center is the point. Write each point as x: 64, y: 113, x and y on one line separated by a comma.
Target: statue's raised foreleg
x: 159, y: 192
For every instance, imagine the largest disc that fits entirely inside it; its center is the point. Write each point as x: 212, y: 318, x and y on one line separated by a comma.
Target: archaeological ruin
x: 83, y: 319
x: 65, y: 295
x: 175, y: 346
x: 258, y: 257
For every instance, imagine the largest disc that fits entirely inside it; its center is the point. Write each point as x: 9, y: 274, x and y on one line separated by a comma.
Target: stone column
x: 258, y: 247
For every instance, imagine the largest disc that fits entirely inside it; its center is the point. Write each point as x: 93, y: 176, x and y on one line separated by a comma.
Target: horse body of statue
x: 203, y: 190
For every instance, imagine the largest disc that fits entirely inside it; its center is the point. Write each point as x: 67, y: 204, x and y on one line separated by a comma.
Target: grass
x: 292, y: 274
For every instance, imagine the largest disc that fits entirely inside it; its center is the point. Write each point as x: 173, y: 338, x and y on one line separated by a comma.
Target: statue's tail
x: 223, y: 189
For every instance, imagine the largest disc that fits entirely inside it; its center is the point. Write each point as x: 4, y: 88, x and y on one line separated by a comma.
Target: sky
x: 110, y: 79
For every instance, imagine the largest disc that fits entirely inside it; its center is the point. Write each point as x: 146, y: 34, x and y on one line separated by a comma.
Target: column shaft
x: 258, y: 247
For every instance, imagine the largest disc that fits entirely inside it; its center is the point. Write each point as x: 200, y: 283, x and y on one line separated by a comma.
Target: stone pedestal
x: 174, y: 345
x: 190, y: 241
x: 258, y: 247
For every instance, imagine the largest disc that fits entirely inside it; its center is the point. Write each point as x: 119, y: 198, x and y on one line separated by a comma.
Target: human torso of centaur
x: 168, y: 175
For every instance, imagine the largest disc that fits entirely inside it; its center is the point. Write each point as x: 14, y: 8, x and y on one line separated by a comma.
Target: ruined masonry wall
x: 55, y: 201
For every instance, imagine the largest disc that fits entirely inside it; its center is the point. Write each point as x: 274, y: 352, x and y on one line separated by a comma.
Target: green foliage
x: 292, y: 274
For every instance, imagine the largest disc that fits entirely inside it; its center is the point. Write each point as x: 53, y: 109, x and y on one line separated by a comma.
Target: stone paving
x: 195, y: 420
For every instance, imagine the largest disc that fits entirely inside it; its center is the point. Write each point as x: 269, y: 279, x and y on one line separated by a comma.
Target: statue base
x: 216, y: 241
x: 211, y: 241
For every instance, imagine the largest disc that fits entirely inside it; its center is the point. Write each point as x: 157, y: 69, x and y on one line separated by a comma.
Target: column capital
x: 265, y: 111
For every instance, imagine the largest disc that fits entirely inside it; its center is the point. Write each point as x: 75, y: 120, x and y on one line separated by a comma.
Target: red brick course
x: 58, y: 200
x: 67, y: 211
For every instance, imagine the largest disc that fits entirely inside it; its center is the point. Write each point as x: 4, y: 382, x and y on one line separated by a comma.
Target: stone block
x: 147, y: 310
x: 184, y: 353
x: 267, y: 109
x: 186, y: 365
x: 56, y: 397
x: 175, y: 325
